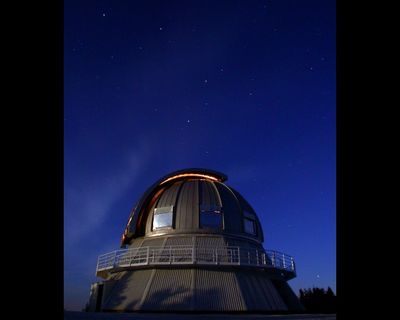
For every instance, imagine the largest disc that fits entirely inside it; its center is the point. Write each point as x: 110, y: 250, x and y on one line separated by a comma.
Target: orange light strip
x: 190, y: 175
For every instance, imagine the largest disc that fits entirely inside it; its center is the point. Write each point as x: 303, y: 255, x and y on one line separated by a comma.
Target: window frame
x: 211, y: 210
x: 250, y: 216
x: 160, y: 211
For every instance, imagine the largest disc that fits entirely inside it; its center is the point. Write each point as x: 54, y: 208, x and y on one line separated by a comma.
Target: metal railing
x: 228, y: 255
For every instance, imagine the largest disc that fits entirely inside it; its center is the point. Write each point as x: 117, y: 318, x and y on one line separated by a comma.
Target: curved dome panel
x: 193, y: 202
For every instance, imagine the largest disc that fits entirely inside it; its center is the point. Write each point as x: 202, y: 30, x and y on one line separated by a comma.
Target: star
x: 161, y: 28
x: 104, y: 14
x: 205, y: 81
x: 250, y: 93
x: 318, y: 276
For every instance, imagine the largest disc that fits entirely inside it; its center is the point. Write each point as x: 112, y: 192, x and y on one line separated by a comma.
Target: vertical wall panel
x: 217, y: 290
x: 128, y: 291
x: 169, y: 290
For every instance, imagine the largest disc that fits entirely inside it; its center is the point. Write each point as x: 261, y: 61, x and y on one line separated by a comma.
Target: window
x: 210, y: 217
x: 249, y: 226
x: 163, y: 217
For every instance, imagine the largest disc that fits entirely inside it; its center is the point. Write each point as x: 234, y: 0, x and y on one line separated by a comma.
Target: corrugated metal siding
x: 231, y: 209
x: 258, y: 291
x: 217, y: 290
x: 187, y: 206
x: 128, y: 291
x: 209, y: 194
x: 157, y: 242
x: 196, y: 289
x: 287, y: 294
x: 209, y: 241
x: 169, y: 290
x: 136, y: 243
x: 179, y: 241
x: 168, y: 197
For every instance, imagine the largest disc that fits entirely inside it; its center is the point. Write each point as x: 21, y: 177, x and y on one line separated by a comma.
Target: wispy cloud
x: 87, y: 205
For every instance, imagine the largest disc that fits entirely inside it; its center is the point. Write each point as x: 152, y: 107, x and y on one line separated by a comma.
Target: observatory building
x: 192, y: 243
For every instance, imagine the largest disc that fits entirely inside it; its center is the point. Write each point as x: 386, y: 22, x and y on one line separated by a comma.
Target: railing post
x: 257, y: 256
x: 283, y: 261
x: 238, y: 255
x: 263, y: 259
x: 193, y: 254
x: 170, y: 254
x: 216, y: 255
x: 273, y: 259
x: 147, y: 255
x: 115, y: 259
x: 248, y: 257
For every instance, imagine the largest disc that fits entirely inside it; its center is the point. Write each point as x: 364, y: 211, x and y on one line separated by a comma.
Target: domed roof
x: 192, y: 201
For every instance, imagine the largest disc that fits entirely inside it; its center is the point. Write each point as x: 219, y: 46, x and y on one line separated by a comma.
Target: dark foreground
x: 74, y: 315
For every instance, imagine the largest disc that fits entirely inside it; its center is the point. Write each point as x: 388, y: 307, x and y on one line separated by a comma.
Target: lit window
x: 163, y: 217
x: 249, y: 226
x: 210, y: 217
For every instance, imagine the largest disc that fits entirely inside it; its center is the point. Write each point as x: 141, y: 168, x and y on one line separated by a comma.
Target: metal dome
x: 193, y: 201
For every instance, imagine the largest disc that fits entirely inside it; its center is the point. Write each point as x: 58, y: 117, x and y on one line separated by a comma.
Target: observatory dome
x: 193, y: 201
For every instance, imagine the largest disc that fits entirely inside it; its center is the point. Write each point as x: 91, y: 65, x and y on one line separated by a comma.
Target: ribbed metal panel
x: 136, y: 242
x: 209, y: 194
x: 197, y: 289
x: 157, y: 242
x: 187, y: 206
x: 170, y: 290
x: 231, y: 209
x: 217, y: 290
x: 209, y: 241
x: 128, y: 291
x: 168, y: 197
x: 179, y: 241
x: 287, y: 294
x: 258, y: 291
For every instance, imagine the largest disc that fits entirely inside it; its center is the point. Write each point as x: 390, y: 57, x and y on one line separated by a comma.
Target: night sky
x: 246, y: 88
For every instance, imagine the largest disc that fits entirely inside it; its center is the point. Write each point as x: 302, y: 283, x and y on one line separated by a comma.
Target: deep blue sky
x: 242, y: 87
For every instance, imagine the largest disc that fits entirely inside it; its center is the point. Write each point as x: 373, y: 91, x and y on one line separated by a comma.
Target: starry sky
x: 247, y: 88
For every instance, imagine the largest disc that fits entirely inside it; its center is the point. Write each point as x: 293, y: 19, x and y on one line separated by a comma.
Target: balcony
x: 131, y: 258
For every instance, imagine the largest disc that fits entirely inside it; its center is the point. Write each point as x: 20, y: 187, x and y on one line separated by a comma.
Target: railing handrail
x: 191, y: 254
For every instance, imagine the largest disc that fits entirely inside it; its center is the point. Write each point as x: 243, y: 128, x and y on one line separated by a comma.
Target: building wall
x: 201, y: 289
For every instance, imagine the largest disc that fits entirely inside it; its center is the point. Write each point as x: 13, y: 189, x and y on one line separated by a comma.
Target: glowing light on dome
x: 191, y: 175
